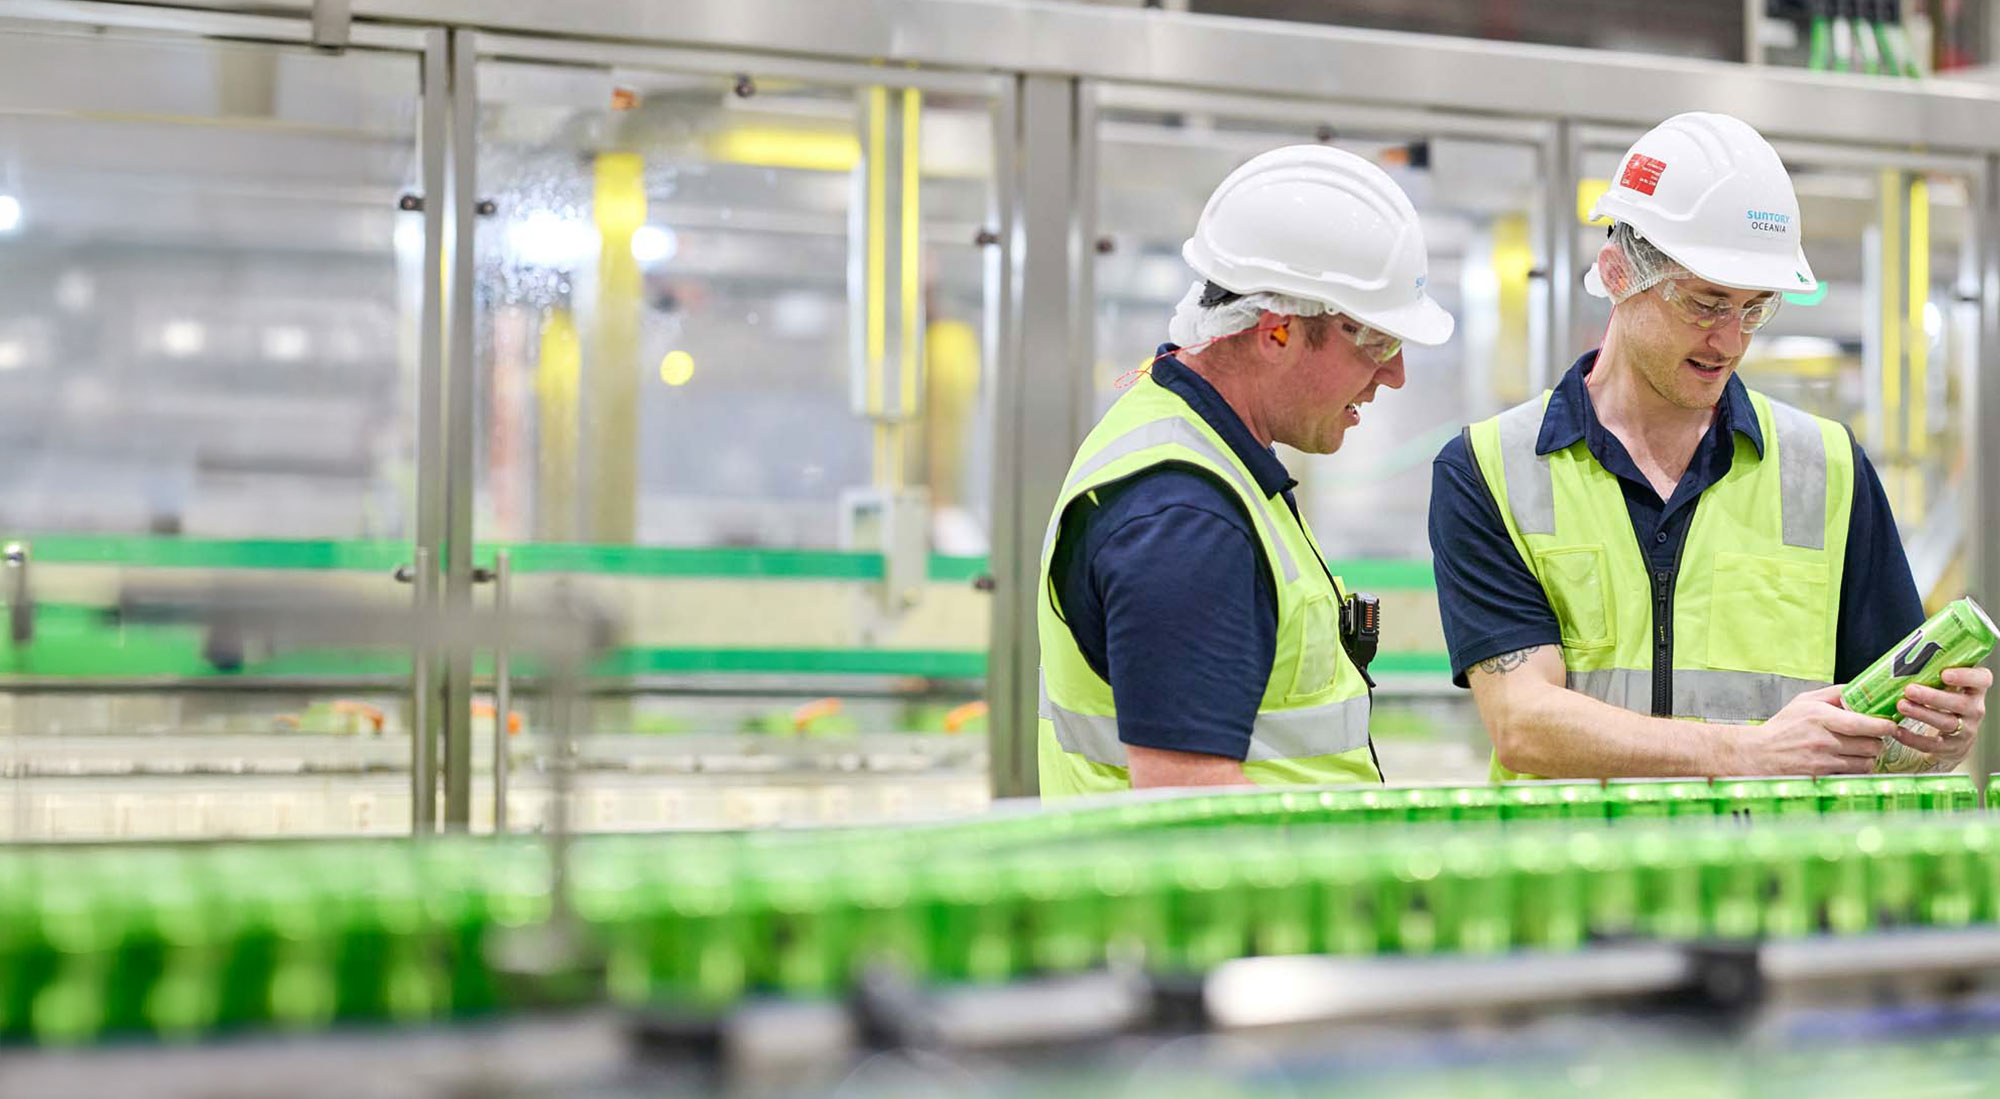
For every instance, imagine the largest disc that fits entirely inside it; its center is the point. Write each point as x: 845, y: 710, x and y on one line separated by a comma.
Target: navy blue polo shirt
x: 1492, y: 604
x: 1164, y: 585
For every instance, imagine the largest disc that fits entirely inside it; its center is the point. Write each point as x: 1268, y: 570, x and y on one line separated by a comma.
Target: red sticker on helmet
x: 1642, y: 174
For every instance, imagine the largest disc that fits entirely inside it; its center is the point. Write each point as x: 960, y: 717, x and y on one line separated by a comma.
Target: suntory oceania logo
x: 1768, y: 221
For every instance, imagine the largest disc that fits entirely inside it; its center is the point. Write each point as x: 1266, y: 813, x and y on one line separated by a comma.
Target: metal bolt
x: 984, y: 582
x: 986, y: 238
x: 486, y: 208
x: 745, y: 86
x: 1106, y: 246
x: 410, y: 202
x: 1323, y: 134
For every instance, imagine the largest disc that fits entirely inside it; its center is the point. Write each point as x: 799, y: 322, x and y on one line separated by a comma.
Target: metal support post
x: 503, y: 687
x: 1560, y: 263
x: 423, y: 708
x: 458, y: 430
x: 332, y: 24
x: 430, y: 442
x: 1041, y: 400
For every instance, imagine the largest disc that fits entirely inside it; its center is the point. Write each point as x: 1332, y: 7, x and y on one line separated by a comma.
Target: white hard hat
x: 1325, y: 225
x: 1711, y: 193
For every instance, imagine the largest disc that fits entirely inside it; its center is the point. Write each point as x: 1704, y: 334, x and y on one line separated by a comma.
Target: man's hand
x: 1812, y: 735
x: 1953, y: 714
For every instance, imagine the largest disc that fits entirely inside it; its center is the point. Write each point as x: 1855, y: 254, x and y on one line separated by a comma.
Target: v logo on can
x: 1906, y: 664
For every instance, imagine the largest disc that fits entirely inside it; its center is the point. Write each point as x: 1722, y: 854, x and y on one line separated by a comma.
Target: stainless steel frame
x: 333, y: 24
x: 214, y: 23
x: 1561, y: 269
x: 1040, y: 402
x: 503, y: 687
x: 1348, y: 118
x: 1239, y: 55
x: 458, y: 471
x: 431, y: 470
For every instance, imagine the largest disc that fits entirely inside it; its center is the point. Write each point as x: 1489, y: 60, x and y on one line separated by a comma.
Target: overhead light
x: 547, y: 239
x: 408, y: 238
x: 286, y: 343
x: 75, y: 291
x: 677, y: 368
x: 180, y: 339
x: 10, y: 213
x: 653, y: 244
x: 13, y: 356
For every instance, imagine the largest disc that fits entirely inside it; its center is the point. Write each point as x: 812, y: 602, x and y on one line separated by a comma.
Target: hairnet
x: 1631, y: 265
x: 1195, y: 323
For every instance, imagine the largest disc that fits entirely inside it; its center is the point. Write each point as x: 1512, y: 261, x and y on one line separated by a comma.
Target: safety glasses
x: 1373, y: 342
x: 1705, y: 311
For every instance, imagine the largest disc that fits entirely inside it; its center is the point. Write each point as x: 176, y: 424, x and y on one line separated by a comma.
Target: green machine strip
x: 149, y: 551
x: 80, y: 641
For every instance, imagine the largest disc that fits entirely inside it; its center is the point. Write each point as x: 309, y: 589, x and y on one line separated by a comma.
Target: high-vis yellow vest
x: 1312, y: 724
x: 1745, y: 620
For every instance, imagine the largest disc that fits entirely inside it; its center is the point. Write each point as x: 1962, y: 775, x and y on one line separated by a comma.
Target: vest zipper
x: 1326, y: 569
x: 1663, y: 624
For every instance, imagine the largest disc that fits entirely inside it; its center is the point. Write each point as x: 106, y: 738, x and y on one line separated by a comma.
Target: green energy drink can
x: 1955, y: 637
x: 1530, y: 801
x: 1583, y: 800
x: 1690, y: 798
x: 1744, y: 800
x: 1849, y: 794
x: 1426, y: 803
x: 1947, y: 793
x: 1476, y: 803
x: 1640, y: 797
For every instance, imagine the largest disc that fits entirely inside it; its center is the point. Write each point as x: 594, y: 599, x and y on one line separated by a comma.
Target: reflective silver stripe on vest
x: 1704, y: 693
x: 1801, y: 476
x: 1174, y: 431
x: 1531, y: 484
x: 1281, y: 734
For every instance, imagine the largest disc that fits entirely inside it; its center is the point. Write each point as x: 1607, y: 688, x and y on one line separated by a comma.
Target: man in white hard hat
x: 1190, y: 632
x: 1652, y: 541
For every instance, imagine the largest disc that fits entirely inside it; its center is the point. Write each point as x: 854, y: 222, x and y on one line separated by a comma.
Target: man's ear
x: 1613, y: 269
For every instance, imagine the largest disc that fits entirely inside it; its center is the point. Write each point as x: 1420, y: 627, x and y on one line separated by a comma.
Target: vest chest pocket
x: 1580, y: 593
x: 1320, y: 627
x: 1768, y: 614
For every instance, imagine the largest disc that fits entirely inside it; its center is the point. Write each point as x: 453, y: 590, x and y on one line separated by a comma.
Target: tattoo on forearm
x: 1507, y: 662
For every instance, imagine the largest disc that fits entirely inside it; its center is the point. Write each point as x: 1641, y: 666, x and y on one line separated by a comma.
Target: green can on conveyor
x: 1531, y: 801
x: 1748, y: 800
x: 1426, y: 803
x: 1947, y: 793
x: 1690, y: 798
x: 1475, y: 803
x: 1640, y: 798
x: 1583, y: 800
x: 1901, y: 794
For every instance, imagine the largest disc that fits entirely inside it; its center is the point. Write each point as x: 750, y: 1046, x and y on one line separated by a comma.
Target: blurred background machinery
x: 778, y: 343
